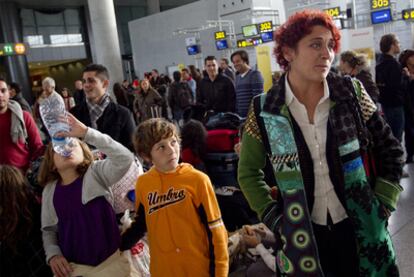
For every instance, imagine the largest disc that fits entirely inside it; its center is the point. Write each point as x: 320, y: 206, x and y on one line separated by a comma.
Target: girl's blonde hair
x: 48, y: 171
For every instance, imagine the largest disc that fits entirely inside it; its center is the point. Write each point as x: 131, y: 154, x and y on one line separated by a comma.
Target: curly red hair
x: 299, y: 25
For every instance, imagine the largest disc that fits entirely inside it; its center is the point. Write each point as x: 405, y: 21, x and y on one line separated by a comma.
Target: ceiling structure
x: 75, y: 3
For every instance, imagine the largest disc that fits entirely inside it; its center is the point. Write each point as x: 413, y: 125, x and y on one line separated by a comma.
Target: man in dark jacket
x: 79, y: 93
x: 99, y: 111
x: 216, y: 91
x: 388, y: 78
x: 15, y: 94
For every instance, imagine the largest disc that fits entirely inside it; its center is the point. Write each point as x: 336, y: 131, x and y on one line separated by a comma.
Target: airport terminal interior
x: 199, y: 66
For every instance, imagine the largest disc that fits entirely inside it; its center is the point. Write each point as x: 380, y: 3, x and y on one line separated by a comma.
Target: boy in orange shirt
x: 176, y: 205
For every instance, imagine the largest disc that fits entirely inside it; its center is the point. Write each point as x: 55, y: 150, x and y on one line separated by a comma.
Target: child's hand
x: 77, y: 128
x: 251, y: 240
x: 60, y: 266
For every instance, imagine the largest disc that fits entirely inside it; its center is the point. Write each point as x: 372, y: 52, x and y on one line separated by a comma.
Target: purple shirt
x: 87, y: 234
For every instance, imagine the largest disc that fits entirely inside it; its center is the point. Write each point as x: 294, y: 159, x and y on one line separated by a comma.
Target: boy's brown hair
x: 48, y: 171
x: 150, y: 132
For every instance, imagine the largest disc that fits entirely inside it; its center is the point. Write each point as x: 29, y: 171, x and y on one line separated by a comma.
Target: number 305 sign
x: 379, y: 4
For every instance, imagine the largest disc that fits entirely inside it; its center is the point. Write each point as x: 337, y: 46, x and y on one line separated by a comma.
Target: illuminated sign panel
x: 381, y: 16
x: 193, y: 50
x: 265, y: 27
x: 220, y: 35
x: 11, y: 49
x: 222, y: 44
x: 407, y: 14
x: 333, y: 12
x: 379, y: 4
x: 249, y: 30
x: 248, y: 42
x: 268, y: 36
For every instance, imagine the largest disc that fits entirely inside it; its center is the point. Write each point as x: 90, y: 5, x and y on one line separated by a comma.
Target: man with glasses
x: 99, y: 111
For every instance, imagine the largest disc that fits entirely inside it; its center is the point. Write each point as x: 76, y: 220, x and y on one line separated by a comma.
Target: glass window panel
x: 27, y: 17
x: 45, y: 19
x: 33, y: 40
x: 72, y: 17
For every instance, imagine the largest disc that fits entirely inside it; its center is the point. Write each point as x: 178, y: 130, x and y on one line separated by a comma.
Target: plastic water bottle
x: 52, y: 110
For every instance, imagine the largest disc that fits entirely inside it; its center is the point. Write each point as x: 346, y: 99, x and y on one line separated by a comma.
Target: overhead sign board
x: 220, y: 35
x: 381, y: 16
x: 265, y: 27
x: 248, y: 42
x: 11, y: 49
x: 190, y: 41
x: 379, y: 4
x: 407, y: 14
x: 333, y: 12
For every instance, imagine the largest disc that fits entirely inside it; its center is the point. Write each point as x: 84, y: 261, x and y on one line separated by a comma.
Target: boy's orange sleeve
x: 217, y: 233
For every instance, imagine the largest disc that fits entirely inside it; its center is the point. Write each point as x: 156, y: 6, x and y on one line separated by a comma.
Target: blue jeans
x: 396, y: 119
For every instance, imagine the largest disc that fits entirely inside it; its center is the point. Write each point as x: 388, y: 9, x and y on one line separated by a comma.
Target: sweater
x: 21, y: 153
x: 247, y: 87
x: 186, y: 234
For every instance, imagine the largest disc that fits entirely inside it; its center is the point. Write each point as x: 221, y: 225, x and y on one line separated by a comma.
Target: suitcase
x: 222, y: 140
x: 222, y: 168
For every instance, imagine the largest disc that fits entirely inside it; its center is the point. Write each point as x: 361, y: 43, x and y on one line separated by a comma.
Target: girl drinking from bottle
x: 80, y: 232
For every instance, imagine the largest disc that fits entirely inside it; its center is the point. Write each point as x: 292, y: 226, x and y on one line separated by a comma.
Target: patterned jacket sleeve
x: 250, y: 170
x: 387, y: 150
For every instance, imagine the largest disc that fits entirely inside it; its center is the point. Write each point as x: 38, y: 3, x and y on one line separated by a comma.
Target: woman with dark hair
x: 21, y: 248
x: 193, y: 144
x: 148, y: 103
x: 121, y: 95
x: 317, y: 129
x: 406, y: 60
x: 355, y: 65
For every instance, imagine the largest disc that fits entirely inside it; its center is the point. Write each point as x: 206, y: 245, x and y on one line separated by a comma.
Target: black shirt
x: 218, y: 95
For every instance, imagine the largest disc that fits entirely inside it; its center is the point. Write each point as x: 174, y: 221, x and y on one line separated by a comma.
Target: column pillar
x: 10, y: 32
x: 153, y: 6
x: 105, y: 38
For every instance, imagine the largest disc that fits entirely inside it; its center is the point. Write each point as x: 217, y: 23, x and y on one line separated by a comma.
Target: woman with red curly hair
x: 318, y: 129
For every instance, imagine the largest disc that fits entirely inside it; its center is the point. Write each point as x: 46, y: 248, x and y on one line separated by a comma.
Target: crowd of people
x: 320, y: 161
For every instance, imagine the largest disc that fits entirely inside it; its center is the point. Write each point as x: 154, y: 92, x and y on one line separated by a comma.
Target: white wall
x: 155, y: 46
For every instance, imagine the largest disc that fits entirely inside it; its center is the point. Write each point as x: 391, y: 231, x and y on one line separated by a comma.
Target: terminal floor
x: 401, y: 227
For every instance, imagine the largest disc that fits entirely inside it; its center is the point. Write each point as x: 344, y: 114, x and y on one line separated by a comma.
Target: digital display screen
x: 222, y: 44
x: 268, y: 36
x: 381, y: 16
x: 265, y: 27
x: 249, y: 30
x: 220, y: 35
x: 333, y: 12
x: 193, y: 49
x: 379, y: 4
x: 407, y: 14
x: 249, y: 42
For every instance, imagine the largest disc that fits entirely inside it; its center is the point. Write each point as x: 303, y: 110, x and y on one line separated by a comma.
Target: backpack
x: 183, y: 95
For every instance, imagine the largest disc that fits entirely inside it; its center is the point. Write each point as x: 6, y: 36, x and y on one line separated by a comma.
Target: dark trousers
x: 395, y: 118
x: 337, y: 249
